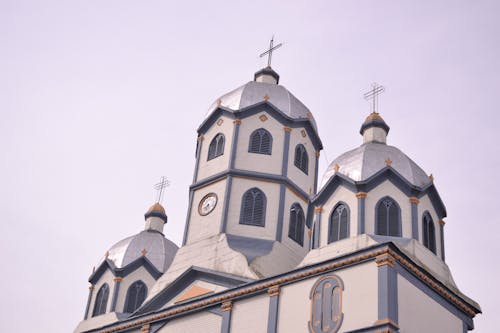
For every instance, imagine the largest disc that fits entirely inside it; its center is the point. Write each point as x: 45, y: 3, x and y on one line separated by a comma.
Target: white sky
x: 98, y: 99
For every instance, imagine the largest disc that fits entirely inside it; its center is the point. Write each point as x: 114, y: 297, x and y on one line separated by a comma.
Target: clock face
x: 207, y: 204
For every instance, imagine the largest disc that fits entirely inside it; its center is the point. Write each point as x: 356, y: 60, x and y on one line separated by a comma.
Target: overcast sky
x: 98, y: 99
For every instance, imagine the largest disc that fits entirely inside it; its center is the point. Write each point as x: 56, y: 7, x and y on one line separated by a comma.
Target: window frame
x: 97, y: 311
x: 399, y: 221
x: 259, y: 151
x: 262, y: 223
x: 128, y: 295
x: 299, y: 233
x: 429, y: 243
x: 216, y: 151
x: 303, y: 162
x: 330, y: 222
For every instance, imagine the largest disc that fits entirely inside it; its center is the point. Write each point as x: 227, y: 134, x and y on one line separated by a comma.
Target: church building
x: 269, y: 246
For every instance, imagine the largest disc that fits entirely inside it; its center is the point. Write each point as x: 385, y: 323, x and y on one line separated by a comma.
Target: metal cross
x: 160, y: 187
x: 269, y: 52
x: 373, y: 95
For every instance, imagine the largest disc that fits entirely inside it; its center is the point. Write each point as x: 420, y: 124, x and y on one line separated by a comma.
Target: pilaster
x: 116, y: 290
x: 226, y: 308
x: 272, y: 318
x: 414, y: 217
x: 361, y: 211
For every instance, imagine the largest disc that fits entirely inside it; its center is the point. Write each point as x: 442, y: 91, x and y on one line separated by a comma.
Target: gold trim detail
x: 225, y: 298
x: 200, y: 138
x: 303, y: 133
x: 442, y: 222
x: 317, y: 153
x: 388, y: 162
x: 273, y: 291
x: 237, y: 121
x: 219, y: 102
x: 227, y: 306
x: 309, y: 232
x: 385, y: 259
x: 309, y: 115
x: 118, y: 279
x: 431, y: 178
x: 361, y: 195
x: 263, y: 117
x: 386, y: 321
x: 336, y: 167
x: 266, y: 97
x: 414, y: 200
x: 318, y: 209
x: 106, y: 255
x: 145, y: 328
x: 91, y: 287
x: 144, y: 252
x: 287, y: 129
x: 220, y: 121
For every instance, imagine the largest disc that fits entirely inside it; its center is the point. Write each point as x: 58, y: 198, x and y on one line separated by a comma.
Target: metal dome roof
x: 363, y: 162
x: 255, y: 92
x: 159, y: 250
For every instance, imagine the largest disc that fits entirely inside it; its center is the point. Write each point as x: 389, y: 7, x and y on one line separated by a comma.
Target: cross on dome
x: 269, y: 51
x: 373, y: 95
x: 159, y: 187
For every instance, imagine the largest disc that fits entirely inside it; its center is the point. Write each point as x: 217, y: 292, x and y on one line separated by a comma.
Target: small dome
x: 151, y: 244
x: 156, y: 208
x: 365, y: 161
x: 374, y: 120
x: 256, y: 92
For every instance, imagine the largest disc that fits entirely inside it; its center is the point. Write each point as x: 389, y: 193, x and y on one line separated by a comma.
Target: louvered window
x: 388, y: 218
x: 429, y: 233
x: 301, y: 159
x: 339, y: 224
x: 101, y: 300
x: 253, y: 208
x: 216, y: 147
x: 296, y: 227
x: 136, y: 294
x: 260, y: 142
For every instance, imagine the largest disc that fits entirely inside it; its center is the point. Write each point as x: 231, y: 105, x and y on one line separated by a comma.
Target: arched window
x: 216, y: 147
x: 253, y: 207
x: 429, y: 232
x: 301, y: 159
x: 296, y: 227
x: 101, y: 300
x: 260, y: 142
x: 339, y: 223
x: 388, y: 218
x: 136, y: 294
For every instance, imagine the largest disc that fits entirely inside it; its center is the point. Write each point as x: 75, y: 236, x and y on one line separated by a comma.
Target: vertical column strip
x: 317, y: 231
x: 281, y: 213
x: 361, y: 212
x: 414, y: 217
x: 286, y: 151
x: 116, y: 289
x: 387, y: 290
x: 199, y: 143
x: 234, y: 144
x: 272, y: 318
x: 225, y: 208
x: 87, y: 308
x: 188, y: 217
x: 441, y: 234
x: 226, y: 308
x: 316, y: 166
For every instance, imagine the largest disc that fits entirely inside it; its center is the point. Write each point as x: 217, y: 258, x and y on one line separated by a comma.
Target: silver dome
x: 253, y: 93
x: 159, y: 250
x: 363, y: 162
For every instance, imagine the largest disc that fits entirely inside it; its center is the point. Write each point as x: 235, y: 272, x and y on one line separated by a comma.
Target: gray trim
x: 465, y: 328
x: 188, y: 217
x: 116, y: 289
x: 416, y: 282
x: 87, y: 308
x: 414, y: 220
x: 225, y: 208
x: 385, y: 327
x: 361, y: 214
x: 251, y: 174
x: 199, y: 144
x: 387, y: 293
x: 124, y: 271
x: 281, y: 213
x: 272, y: 317
x: 441, y: 234
x: 286, y: 153
x: 316, y: 166
x: 234, y: 145
x: 318, y: 231
x: 226, y: 321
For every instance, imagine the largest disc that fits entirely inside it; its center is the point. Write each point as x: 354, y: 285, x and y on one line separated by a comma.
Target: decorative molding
x: 274, y: 291
x: 200, y: 137
x: 414, y: 200
x: 361, y: 195
x: 144, y: 252
x: 386, y: 321
x: 91, y: 287
x: 118, y: 279
x: 266, y: 97
x: 226, y: 306
x: 318, y: 209
x: 303, y: 133
x: 299, y: 274
x: 336, y: 167
x: 237, y: 121
x: 220, y: 121
x: 263, y: 117
x: 385, y: 259
x: 219, y: 102
x: 317, y: 153
x: 442, y: 222
x: 388, y: 162
x: 145, y: 328
x: 287, y: 129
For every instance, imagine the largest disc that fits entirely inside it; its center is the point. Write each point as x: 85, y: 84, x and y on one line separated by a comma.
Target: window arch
x: 429, y: 232
x: 253, y: 207
x: 216, y: 147
x: 339, y: 223
x: 101, y: 300
x: 261, y: 142
x: 136, y: 294
x: 388, y: 218
x: 301, y: 159
x: 296, y: 226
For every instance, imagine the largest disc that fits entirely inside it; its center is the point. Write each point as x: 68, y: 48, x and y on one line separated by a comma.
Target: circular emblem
x: 207, y: 204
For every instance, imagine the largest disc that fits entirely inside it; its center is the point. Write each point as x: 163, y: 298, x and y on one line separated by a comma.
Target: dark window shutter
x: 136, y: 294
x: 296, y: 225
x: 301, y: 159
x: 339, y: 224
x: 260, y: 142
x: 253, y: 208
x: 429, y: 232
x: 388, y: 221
x: 216, y: 147
x: 101, y: 301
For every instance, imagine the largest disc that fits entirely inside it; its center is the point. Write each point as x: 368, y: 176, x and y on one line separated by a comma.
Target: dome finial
x: 155, y: 216
x: 267, y: 74
x: 374, y: 128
